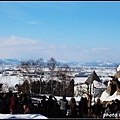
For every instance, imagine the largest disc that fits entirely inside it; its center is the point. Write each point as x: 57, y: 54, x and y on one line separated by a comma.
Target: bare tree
x: 40, y: 68
x: 64, y: 75
x: 51, y: 64
x: 33, y: 73
x: 27, y: 70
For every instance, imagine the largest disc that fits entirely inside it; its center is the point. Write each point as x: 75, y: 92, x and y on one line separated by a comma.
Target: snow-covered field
x: 103, y: 72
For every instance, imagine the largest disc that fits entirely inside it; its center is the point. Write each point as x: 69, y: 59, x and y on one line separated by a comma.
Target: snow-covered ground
x: 22, y: 116
x: 10, y: 80
x: 13, y: 80
x: 103, y: 72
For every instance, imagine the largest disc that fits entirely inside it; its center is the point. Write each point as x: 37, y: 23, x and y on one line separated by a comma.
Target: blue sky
x: 67, y: 31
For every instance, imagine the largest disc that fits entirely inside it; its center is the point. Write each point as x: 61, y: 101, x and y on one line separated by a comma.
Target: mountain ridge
x: 97, y: 63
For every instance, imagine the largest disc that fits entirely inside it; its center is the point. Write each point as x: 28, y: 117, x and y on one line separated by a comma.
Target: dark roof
x: 92, y: 77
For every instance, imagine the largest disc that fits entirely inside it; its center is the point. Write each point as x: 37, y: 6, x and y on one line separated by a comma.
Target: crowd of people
x: 52, y: 108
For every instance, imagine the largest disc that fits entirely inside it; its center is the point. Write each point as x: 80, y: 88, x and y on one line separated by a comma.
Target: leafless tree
x: 40, y: 68
x: 64, y: 75
x: 51, y: 64
x: 26, y: 69
x: 33, y: 73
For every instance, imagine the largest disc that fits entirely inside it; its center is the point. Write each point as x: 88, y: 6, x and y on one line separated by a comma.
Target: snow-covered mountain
x: 97, y: 63
x: 100, y: 64
x: 10, y: 61
x: 71, y: 63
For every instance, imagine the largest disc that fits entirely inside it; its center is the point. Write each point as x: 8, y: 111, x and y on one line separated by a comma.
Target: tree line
x: 40, y: 77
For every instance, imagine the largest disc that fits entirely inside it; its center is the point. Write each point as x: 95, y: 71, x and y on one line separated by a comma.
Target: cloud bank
x: 26, y: 48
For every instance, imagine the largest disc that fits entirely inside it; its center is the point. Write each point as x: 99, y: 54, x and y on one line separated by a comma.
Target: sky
x: 80, y: 31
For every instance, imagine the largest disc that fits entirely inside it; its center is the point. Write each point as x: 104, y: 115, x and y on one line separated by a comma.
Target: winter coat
x: 98, y: 109
x: 13, y: 105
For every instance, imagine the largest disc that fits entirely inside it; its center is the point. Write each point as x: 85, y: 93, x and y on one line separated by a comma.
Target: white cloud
x: 99, y: 49
x: 17, y: 47
x: 32, y: 22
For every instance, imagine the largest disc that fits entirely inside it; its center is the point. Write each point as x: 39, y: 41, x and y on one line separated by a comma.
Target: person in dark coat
x: 1, y: 104
x: 6, y: 101
x: 50, y: 105
x: 83, y: 108
x: 43, y: 106
x: 98, y: 108
x: 56, y: 112
x: 24, y: 99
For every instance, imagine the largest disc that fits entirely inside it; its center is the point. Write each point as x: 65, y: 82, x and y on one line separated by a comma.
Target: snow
x: 103, y: 72
x: 79, y: 80
x: 68, y: 98
x: 97, y: 84
x: 106, y: 97
x: 10, y: 80
x: 118, y: 68
x: 22, y: 116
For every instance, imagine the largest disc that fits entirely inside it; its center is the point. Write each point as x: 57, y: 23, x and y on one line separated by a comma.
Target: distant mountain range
x: 10, y: 61
x: 101, y: 63
x: 72, y: 63
x: 93, y: 63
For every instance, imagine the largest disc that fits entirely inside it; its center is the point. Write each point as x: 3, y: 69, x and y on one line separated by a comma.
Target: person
x: 98, y: 109
x: 39, y: 109
x: 26, y: 109
x: 1, y: 104
x: 117, y: 108
x: 56, y: 112
x: 13, y: 104
x: 83, y: 108
x: 73, y: 107
x: 107, y: 110
x: 6, y: 101
x: 50, y: 105
x: 63, y: 106
x: 43, y: 106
